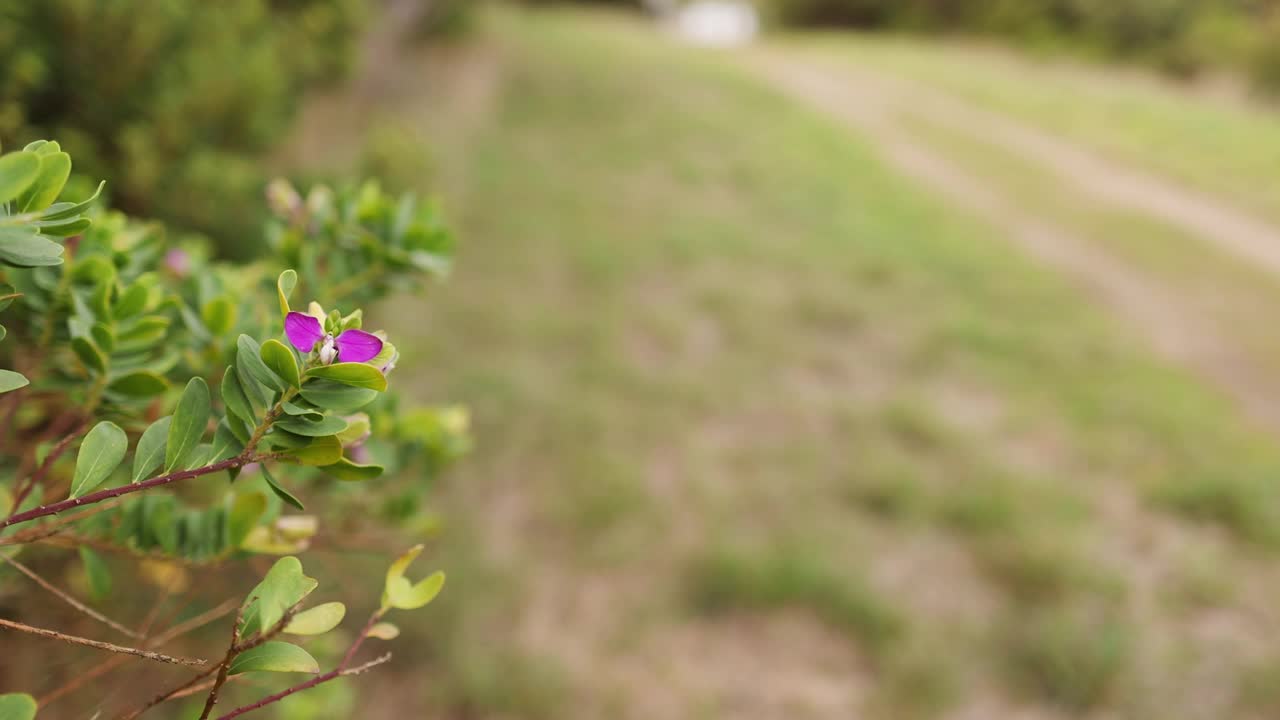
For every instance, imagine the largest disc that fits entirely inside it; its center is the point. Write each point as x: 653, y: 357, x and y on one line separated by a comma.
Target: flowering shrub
x: 136, y: 371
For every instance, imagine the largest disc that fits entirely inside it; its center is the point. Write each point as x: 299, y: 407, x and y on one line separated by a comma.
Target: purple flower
x: 178, y: 261
x: 352, y: 345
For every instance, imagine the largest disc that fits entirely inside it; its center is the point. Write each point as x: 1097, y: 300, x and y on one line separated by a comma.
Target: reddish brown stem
x: 342, y: 669
x: 70, y: 503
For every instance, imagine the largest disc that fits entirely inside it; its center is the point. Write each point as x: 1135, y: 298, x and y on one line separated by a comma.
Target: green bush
x: 173, y: 99
x: 163, y: 415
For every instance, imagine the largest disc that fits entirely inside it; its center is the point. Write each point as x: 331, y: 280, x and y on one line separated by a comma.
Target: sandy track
x: 868, y: 103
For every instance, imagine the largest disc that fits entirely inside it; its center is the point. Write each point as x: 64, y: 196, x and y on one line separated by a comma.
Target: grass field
x: 766, y: 429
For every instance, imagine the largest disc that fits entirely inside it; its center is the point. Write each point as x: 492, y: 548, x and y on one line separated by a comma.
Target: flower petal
x: 358, y: 346
x: 303, y: 330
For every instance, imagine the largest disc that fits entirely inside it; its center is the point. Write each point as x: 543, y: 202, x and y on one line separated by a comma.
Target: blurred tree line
x: 173, y: 99
x: 1182, y: 37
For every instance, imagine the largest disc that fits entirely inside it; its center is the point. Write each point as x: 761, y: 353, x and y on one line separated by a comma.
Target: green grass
x: 690, y: 315
x: 730, y: 579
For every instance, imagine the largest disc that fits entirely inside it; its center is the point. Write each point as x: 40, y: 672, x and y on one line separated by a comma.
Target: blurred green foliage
x: 173, y: 99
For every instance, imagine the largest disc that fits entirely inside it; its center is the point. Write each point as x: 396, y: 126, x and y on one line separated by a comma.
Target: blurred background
x: 826, y: 358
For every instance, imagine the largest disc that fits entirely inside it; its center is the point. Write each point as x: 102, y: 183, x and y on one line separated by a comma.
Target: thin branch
x: 342, y: 670
x: 186, y: 688
x: 160, y: 640
x: 38, y: 476
x: 224, y: 666
x: 65, y: 597
x: 55, y: 508
x: 55, y: 635
x: 367, y: 666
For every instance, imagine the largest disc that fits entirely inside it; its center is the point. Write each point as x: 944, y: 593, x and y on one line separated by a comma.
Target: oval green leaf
x: 340, y: 398
x: 317, y: 620
x: 150, y: 451
x: 346, y: 470
x: 97, y: 572
x: 274, y: 656
x: 101, y: 453
x: 188, y: 425
x: 17, y: 706
x: 249, y: 359
x: 357, y: 375
x: 140, y: 384
x: 326, y: 425
x: 384, y: 631
x: 284, y: 586
x: 17, y: 171
x: 89, y: 354
x: 10, y: 381
x: 280, y: 360
x: 322, y: 451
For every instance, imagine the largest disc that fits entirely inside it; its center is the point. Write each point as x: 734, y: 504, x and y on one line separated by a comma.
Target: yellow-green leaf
x: 317, y: 620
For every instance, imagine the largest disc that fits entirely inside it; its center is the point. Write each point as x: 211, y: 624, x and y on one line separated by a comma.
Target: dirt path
x: 868, y: 103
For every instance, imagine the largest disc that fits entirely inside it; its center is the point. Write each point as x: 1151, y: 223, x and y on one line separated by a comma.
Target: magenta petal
x: 357, y: 346
x: 303, y: 330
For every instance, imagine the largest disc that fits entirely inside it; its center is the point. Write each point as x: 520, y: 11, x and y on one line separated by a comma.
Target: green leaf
x: 284, y: 586
x: 299, y: 411
x: 401, y: 564
x: 62, y: 228
x: 24, y: 247
x: 402, y: 595
x: 280, y: 360
x: 317, y: 620
x: 73, y: 209
x: 17, y: 706
x: 17, y: 172
x: 280, y: 492
x: 326, y: 425
x: 150, y: 451
x: 344, y: 469
x: 322, y: 451
x: 188, y: 426
x: 274, y: 656
x: 96, y: 570
x: 55, y: 168
x: 89, y: 354
x: 353, y: 374
x: 10, y: 381
x: 234, y: 399
x: 140, y: 384
x: 384, y: 631
x: 340, y: 398
x: 285, y: 284
x: 249, y: 359
x: 226, y: 443
x: 246, y: 511
x: 103, y: 336
x: 218, y: 315
x: 132, y: 301
x: 357, y: 429
x: 101, y: 453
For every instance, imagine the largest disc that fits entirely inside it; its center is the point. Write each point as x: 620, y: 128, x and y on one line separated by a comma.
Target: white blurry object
x: 717, y: 23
